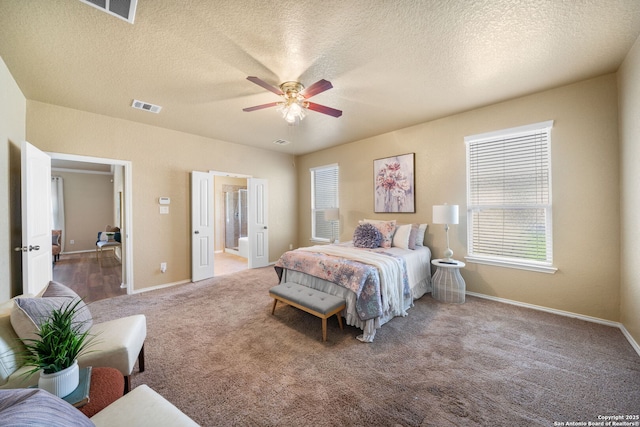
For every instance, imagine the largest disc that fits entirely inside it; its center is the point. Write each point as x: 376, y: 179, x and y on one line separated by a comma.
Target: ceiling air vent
x: 141, y: 105
x: 123, y: 9
x: 281, y: 142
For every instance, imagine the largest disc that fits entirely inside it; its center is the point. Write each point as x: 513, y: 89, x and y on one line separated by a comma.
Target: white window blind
x: 324, y: 195
x: 509, y: 197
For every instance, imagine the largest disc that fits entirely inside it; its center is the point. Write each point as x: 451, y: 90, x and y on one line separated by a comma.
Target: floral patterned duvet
x: 378, y: 279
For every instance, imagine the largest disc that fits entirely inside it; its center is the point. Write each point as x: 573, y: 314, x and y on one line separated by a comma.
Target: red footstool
x: 107, y: 386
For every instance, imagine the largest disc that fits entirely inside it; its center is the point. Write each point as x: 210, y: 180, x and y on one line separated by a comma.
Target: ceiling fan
x: 295, y: 99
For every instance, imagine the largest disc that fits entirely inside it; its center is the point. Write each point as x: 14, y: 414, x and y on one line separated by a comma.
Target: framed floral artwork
x: 394, y: 182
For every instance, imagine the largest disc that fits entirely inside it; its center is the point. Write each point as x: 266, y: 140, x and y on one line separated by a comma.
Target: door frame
x: 127, y: 220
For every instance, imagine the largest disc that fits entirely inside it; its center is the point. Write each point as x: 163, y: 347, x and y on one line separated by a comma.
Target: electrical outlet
x: 72, y: 242
x: 163, y: 267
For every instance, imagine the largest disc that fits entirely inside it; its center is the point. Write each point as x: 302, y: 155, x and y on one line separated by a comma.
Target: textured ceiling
x: 392, y: 63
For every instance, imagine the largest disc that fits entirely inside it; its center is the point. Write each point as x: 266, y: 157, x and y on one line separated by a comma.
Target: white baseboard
x: 633, y: 342
x: 618, y: 325
x: 165, y: 285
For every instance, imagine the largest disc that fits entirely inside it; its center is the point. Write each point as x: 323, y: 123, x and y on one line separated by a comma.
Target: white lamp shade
x: 332, y: 214
x: 445, y: 214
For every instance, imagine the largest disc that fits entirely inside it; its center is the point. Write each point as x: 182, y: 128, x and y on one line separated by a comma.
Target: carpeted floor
x: 215, y: 351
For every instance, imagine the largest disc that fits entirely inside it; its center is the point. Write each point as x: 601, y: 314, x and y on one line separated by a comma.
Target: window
x: 324, y: 195
x: 509, y: 197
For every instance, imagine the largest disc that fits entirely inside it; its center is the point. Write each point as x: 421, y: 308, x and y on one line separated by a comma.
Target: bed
x: 377, y: 284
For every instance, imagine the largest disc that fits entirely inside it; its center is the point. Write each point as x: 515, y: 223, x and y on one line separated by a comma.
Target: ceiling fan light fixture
x: 292, y: 111
x: 295, y: 102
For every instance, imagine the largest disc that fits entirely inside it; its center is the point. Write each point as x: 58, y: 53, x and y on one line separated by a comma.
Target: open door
x: 37, y: 260
x: 202, y: 220
x: 257, y: 222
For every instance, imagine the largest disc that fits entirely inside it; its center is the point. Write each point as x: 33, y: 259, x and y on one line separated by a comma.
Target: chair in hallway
x: 108, y: 239
x: 56, y: 244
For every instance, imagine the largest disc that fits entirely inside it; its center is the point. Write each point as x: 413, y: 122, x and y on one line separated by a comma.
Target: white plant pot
x: 61, y: 383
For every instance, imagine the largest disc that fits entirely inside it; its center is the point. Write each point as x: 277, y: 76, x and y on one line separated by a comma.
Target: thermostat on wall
x: 164, y: 200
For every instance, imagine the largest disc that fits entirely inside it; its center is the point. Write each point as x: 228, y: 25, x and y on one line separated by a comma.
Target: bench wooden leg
x: 273, y: 310
x: 339, y: 320
x: 324, y: 329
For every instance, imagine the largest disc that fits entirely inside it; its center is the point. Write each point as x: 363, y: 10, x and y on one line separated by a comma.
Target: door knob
x: 265, y: 227
x: 196, y: 232
x: 34, y: 248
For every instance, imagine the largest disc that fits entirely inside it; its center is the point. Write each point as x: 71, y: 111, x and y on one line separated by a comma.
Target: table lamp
x: 446, y: 214
x: 331, y: 215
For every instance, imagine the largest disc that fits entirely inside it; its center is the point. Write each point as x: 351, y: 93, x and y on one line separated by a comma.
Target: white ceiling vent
x: 281, y: 142
x: 141, y: 105
x: 123, y: 9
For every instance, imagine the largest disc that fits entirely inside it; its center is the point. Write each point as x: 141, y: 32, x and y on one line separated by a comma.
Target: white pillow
x: 420, y: 236
x: 28, y: 313
x: 401, y: 237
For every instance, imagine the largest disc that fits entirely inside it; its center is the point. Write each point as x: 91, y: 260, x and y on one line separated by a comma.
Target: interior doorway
x: 230, y: 224
x: 208, y: 224
x: 79, y: 240
x: 235, y: 220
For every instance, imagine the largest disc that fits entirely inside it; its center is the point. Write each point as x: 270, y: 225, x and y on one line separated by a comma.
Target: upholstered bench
x: 312, y: 301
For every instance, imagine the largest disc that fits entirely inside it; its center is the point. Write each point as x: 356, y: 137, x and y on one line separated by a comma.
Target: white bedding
x: 418, y: 264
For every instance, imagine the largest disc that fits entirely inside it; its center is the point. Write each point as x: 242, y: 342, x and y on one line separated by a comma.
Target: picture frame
x: 394, y: 184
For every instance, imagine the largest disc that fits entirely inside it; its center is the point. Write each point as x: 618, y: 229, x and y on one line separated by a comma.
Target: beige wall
x: 585, y: 168
x: 161, y: 163
x: 629, y: 101
x: 88, y: 207
x: 12, y: 132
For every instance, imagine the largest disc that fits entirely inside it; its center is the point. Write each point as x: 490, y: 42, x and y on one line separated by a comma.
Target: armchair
x: 56, y: 244
x: 108, y: 239
x: 119, y: 343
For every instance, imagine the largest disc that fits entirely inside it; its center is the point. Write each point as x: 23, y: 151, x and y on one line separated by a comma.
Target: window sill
x: 320, y: 241
x: 539, y: 268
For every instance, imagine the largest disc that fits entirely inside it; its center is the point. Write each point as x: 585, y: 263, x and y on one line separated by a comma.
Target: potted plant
x: 60, y: 341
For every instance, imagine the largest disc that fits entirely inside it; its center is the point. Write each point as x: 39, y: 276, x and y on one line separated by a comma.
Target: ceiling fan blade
x: 316, y: 88
x: 265, y: 85
x: 324, y: 109
x: 260, y: 107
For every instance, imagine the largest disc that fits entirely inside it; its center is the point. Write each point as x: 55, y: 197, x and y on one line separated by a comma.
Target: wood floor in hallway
x: 93, y: 280
x: 90, y: 279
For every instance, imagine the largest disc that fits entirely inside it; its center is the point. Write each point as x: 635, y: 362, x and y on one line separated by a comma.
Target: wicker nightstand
x: 448, y: 284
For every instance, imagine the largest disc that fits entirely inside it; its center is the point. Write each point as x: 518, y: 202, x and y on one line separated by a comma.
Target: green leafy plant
x: 60, y: 341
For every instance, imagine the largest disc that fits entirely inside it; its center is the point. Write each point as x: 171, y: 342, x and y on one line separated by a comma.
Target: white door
x: 37, y: 260
x: 201, y: 225
x: 258, y: 221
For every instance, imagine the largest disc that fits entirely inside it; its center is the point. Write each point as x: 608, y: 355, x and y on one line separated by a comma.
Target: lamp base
x: 448, y: 254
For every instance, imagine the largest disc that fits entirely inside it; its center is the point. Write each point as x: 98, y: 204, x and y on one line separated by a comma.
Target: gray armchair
x: 108, y: 239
